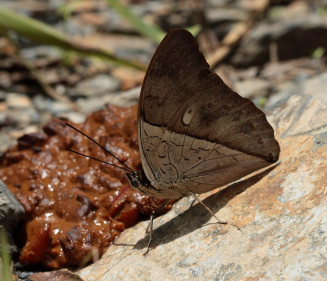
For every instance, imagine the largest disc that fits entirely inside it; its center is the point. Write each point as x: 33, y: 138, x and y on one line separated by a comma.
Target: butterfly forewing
x: 195, y: 133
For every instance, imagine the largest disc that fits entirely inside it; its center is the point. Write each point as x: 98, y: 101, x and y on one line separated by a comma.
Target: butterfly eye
x: 133, y: 180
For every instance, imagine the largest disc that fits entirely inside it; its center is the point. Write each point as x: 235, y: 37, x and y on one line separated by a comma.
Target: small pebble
x: 96, y: 86
x: 18, y: 101
x: 76, y: 117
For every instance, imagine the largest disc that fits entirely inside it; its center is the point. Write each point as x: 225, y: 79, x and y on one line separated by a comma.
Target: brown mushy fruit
x: 75, y: 206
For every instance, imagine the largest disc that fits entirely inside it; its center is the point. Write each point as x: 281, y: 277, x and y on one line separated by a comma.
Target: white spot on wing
x: 188, y: 115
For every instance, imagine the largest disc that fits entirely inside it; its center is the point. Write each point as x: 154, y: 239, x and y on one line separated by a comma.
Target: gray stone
x: 125, y: 98
x: 9, y: 135
x: 7, y: 140
x: 101, y: 84
x: 3, y: 95
x: 23, y: 116
x: 15, y: 100
x: 306, y: 86
x: 226, y: 15
x: 252, y: 88
x: 74, y: 27
x: 281, y: 212
x: 11, y: 211
x: 76, y: 117
x: 45, y: 104
x: 46, y: 53
x: 316, y: 86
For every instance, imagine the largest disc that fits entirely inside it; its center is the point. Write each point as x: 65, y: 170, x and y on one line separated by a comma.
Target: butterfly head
x: 140, y: 182
x: 135, y: 179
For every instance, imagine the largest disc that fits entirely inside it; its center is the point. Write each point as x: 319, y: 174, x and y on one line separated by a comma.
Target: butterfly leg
x: 158, y: 211
x: 208, y: 209
x: 149, y: 229
x: 150, y: 224
x: 204, y: 205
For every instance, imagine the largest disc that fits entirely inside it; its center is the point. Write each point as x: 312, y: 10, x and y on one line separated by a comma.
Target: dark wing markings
x: 145, y: 156
x: 233, y: 155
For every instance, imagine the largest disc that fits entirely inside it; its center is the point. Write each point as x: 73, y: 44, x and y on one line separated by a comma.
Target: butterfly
x: 195, y: 133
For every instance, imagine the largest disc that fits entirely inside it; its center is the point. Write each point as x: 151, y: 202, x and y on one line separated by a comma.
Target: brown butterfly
x: 194, y: 132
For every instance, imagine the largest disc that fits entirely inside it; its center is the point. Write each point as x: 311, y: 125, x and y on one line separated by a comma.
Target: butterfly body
x: 195, y: 133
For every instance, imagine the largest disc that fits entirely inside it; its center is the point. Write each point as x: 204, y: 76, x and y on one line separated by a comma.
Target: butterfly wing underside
x: 195, y: 133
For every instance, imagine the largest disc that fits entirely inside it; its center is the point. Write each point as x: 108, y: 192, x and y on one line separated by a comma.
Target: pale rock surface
x: 282, y: 213
x: 315, y: 86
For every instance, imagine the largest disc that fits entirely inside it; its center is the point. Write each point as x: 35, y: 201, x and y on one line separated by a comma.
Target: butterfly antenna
x: 101, y: 161
x: 126, y: 168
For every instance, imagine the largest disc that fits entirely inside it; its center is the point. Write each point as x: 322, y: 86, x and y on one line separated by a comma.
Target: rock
x: 45, y: 104
x: 23, y: 116
x: 9, y: 135
x: 292, y: 70
x: 292, y: 38
x: 18, y: 101
x: 315, y: 86
x: 41, y: 55
x: 130, y: 78
x: 57, y: 275
x: 125, y: 98
x: 115, y: 23
x: 303, y: 115
x: 304, y: 84
x: 251, y: 88
x: 220, y: 15
x: 75, y: 27
x: 291, y: 77
x: 11, y: 211
x: 148, y: 10
x: 73, y: 116
x: 281, y: 212
x: 96, y: 86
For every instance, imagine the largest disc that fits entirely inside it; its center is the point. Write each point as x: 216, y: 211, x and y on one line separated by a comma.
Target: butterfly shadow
x: 197, y: 216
